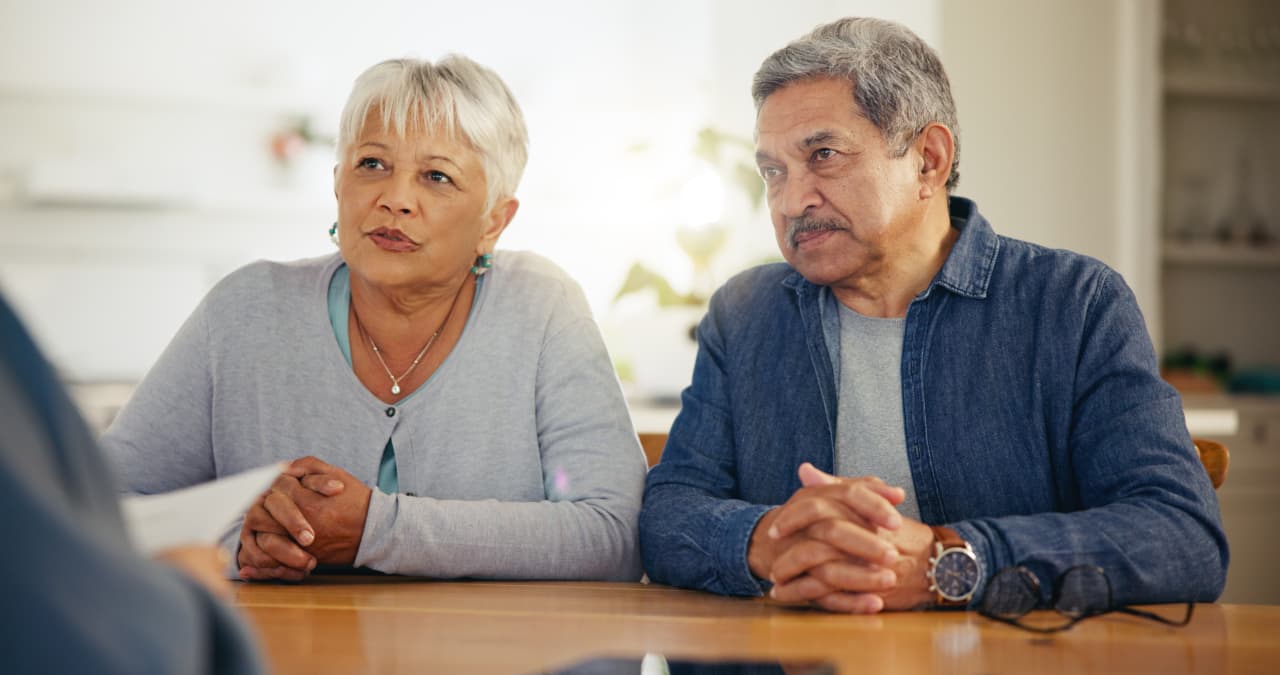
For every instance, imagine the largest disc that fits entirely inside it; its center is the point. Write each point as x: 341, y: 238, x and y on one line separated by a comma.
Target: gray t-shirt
x: 516, y: 459
x: 870, y: 436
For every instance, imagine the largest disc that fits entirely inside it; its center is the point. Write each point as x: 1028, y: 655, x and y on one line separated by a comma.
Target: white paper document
x: 199, y: 514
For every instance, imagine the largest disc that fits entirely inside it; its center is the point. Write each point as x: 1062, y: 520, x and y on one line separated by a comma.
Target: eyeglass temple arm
x: 1191, y: 606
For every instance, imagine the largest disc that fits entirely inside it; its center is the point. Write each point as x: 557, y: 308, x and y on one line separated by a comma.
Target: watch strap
x: 948, y: 537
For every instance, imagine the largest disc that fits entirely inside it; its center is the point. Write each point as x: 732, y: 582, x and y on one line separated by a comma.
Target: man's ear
x: 935, y: 150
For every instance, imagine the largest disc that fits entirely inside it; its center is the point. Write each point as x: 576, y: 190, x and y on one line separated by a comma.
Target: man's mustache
x: 806, y: 224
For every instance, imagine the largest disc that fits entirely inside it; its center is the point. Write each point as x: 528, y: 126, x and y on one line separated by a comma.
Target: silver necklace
x: 395, y: 381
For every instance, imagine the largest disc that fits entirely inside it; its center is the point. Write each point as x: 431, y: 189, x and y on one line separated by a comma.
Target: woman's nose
x: 397, y: 199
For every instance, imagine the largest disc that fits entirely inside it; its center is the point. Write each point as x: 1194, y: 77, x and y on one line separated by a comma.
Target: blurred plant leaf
x: 747, y: 177
x: 733, y: 157
x: 707, y: 146
x: 641, y: 278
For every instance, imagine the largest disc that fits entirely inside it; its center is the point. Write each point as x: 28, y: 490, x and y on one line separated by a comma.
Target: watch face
x: 956, y: 574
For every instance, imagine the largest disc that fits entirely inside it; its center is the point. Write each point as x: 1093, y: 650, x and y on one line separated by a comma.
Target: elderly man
x: 913, y: 403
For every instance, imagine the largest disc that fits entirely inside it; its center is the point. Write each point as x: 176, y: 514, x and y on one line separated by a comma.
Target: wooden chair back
x: 1215, y: 457
x: 653, y: 445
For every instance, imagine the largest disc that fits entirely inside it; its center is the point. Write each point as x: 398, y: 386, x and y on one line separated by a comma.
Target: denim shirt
x: 1036, y: 423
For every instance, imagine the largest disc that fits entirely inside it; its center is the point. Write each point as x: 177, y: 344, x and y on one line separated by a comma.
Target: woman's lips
x: 389, y: 239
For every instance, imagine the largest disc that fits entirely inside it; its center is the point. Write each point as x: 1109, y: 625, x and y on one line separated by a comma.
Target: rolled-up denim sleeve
x: 694, y: 531
x: 1150, y: 517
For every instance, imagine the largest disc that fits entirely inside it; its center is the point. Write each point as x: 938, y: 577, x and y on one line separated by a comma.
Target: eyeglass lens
x: 1011, y: 593
x: 1082, y: 591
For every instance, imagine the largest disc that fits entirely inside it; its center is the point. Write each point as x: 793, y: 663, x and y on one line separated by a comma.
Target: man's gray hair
x: 457, y: 94
x: 898, y: 81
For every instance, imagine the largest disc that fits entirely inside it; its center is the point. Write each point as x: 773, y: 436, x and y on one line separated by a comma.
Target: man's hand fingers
x: 806, y: 510
x: 811, y: 476
x: 813, y: 590
x: 851, y: 603
x: 798, y: 559
x: 847, y: 576
x: 867, y: 499
x: 283, y: 509
x: 855, y: 541
x: 802, y: 589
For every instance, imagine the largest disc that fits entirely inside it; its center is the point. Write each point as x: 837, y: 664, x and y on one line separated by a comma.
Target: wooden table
x: 391, y: 625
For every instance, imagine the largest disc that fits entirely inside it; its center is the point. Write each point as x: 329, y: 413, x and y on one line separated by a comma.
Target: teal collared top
x: 339, y: 306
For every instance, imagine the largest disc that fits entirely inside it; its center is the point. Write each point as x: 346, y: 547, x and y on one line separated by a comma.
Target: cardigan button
x: 391, y: 411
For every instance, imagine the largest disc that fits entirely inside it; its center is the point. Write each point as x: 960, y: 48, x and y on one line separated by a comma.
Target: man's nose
x: 799, y: 194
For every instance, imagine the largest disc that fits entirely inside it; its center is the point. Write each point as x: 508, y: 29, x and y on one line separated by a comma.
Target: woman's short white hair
x: 455, y: 93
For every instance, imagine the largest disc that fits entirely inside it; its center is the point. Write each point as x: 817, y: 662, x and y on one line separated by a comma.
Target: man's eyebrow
x: 818, y: 138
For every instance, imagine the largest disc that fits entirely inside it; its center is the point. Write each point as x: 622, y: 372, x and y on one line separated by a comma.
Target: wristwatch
x: 954, y: 571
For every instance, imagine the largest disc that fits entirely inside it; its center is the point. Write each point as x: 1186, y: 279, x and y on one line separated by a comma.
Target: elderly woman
x: 454, y: 408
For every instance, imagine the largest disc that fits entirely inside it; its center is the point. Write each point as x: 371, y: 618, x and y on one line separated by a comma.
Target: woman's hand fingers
x: 324, y: 484
x: 285, y: 551
x: 283, y: 509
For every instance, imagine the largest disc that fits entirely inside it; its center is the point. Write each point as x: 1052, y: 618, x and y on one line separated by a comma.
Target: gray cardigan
x: 516, y: 459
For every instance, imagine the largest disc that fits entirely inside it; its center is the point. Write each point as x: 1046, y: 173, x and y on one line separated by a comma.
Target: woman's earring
x: 333, y: 233
x: 484, y: 261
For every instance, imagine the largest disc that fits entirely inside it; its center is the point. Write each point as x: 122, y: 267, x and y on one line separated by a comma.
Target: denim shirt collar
x: 968, y: 268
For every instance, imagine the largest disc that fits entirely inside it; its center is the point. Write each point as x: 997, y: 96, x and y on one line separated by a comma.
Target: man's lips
x: 812, y: 237
x: 391, y: 239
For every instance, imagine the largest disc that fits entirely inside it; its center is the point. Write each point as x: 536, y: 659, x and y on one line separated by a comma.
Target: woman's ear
x: 936, y: 149
x: 499, y: 218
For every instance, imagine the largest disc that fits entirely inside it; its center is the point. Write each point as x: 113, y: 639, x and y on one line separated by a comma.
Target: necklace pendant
x: 395, y: 389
